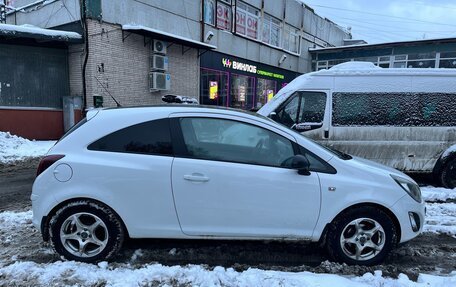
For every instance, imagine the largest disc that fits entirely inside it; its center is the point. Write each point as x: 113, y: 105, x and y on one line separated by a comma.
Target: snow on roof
x: 166, y: 34
x: 453, y: 39
x: 7, y: 29
x: 368, y: 68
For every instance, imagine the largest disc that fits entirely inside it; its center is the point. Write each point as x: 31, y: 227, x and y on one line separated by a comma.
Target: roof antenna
x: 118, y: 105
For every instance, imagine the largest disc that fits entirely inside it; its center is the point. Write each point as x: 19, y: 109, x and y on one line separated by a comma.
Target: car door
x: 227, y: 180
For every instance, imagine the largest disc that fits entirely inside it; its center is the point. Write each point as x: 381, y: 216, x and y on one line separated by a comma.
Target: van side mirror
x: 298, y: 162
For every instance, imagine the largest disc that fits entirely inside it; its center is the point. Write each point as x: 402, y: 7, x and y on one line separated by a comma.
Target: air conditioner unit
x: 158, y: 63
x: 158, y: 47
x: 159, y: 81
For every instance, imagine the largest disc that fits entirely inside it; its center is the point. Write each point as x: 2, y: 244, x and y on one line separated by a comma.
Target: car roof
x: 183, y: 108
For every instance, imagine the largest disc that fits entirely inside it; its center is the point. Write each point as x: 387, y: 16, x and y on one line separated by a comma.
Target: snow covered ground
x: 195, y: 275
x: 14, y: 148
x: 433, y: 194
x: 441, y: 219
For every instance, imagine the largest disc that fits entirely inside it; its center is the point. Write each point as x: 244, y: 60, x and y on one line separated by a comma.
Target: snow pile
x: 441, y: 218
x: 11, y: 222
x: 14, y: 148
x: 74, y: 273
x: 432, y: 194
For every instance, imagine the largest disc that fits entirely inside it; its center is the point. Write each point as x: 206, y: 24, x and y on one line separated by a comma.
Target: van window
x: 394, y: 109
x: 302, y: 107
x: 437, y: 109
x: 151, y: 137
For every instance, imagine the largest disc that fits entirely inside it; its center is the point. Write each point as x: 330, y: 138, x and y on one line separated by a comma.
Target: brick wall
x: 75, y: 62
x: 123, y: 68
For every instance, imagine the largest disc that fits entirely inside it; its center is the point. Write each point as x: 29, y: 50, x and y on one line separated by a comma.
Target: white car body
x: 154, y: 198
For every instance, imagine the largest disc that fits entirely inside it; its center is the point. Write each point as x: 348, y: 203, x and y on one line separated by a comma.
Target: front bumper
x: 403, y: 209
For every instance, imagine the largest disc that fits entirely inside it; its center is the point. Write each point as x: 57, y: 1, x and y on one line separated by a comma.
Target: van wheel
x: 86, y: 231
x: 448, y: 175
x: 361, y: 236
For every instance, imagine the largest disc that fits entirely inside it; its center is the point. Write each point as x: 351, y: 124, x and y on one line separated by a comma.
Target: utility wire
x: 382, y: 15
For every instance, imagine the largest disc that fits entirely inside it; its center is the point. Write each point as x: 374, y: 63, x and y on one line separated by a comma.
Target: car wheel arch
x: 386, y: 210
x: 445, y: 158
x: 45, y: 221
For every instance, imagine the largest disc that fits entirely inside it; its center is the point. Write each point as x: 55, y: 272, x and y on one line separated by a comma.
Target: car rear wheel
x: 448, y: 175
x: 86, y: 231
x: 361, y: 236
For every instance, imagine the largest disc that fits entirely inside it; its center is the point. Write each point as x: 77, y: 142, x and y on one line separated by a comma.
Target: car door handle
x: 196, y: 177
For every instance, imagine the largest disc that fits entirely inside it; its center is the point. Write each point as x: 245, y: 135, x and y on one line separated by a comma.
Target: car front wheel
x: 361, y: 236
x: 86, y: 231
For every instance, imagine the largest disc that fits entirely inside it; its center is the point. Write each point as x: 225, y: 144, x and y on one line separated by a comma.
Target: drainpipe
x: 84, y: 67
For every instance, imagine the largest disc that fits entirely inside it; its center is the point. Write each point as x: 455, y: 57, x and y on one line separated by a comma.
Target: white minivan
x: 402, y: 118
x: 194, y: 172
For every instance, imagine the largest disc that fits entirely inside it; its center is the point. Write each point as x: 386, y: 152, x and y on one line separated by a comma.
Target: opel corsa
x: 205, y: 173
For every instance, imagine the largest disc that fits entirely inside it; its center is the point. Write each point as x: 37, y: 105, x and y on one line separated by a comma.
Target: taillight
x: 47, y: 161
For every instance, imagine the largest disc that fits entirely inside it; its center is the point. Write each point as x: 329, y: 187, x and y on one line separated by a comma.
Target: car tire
x: 368, y: 230
x: 448, y: 174
x: 86, y: 231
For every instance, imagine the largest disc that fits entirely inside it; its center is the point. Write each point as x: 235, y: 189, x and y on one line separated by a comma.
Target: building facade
x: 432, y: 53
x: 223, y: 52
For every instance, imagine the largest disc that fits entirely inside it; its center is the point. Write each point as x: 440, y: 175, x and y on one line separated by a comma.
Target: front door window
x: 303, y: 111
x: 232, y: 141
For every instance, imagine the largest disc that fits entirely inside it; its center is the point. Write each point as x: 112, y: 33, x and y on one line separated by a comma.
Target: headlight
x: 410, y: 187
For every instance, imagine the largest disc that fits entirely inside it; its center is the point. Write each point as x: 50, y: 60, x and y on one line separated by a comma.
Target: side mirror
x: 273, y: 116
x: 300, y: 163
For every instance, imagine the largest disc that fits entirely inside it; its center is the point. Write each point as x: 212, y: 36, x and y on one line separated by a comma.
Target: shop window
x: 384, y: 61
x: 291, y: 39
x: 272, y: 30
x: 224, y: 15
x: 265, y: 92
x: 421, y: 60
x: 447, y: 60
x: 247, y: 19
x: 421, y: 64
x: 214, y: 87
x: 322, y: 65
x: 209, y: 12
x: 242, y: 91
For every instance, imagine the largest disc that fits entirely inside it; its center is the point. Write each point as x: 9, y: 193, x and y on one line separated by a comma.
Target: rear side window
x: 394, y: 109
x: 146, y: 138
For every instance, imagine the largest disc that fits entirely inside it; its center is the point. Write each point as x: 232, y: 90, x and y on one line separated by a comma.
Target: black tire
x: 448, y: 174
x: 109, y: 232
x: 339, y: 225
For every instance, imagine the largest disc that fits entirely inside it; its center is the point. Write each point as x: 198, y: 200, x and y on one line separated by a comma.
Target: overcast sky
x: 379, y: 21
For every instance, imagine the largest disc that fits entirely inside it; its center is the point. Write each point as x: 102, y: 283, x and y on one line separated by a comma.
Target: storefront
x: 238, y: 83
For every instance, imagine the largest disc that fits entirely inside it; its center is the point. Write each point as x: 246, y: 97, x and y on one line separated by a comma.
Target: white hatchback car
x: 198, y: 172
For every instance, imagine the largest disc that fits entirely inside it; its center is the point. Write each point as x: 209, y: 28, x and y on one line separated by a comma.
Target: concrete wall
x: 46, y: 15
x: 186, y: 15
x: 183, y: 18
x: 123, y: 68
